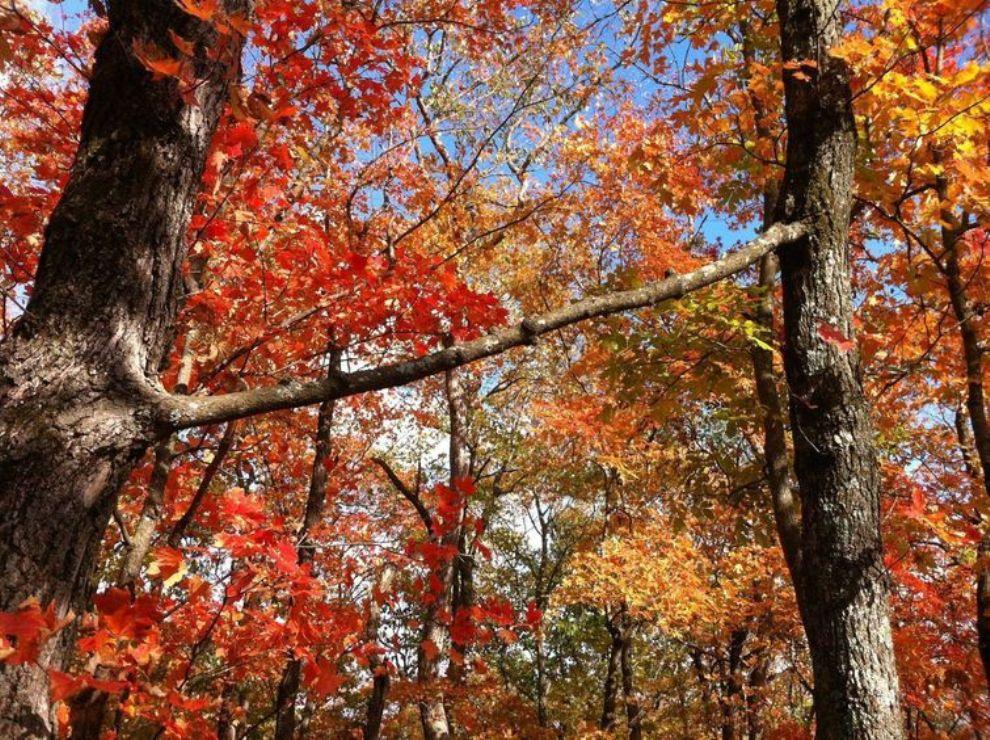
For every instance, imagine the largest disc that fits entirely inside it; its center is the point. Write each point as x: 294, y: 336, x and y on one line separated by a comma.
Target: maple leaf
x: 155, y: 60
x: 322, y: 677
x: 184, y: 46
x: 64, y: 685
x: 835, y: 337
x: 30, y: 627
x: 286, y: 557
x: 169, y: 564
x: 202, y: 9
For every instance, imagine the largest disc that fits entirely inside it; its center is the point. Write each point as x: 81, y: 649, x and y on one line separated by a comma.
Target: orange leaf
x: 154, y: 60
x: 202, y: 9
x: 183, y: 45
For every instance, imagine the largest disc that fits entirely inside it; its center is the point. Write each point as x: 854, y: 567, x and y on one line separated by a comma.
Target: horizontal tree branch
x: 181, y: 412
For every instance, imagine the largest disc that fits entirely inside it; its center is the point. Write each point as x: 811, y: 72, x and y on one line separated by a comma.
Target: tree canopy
x: 516, y: 368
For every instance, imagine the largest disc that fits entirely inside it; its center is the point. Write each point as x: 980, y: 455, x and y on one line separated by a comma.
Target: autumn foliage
x: 389, y: 178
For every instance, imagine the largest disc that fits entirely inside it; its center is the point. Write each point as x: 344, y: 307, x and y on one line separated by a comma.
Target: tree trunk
x: 288, y: 688
x: 380, y: 680
x: 82, y: 362
x: 433, y: 713
x: 189, y: 515
x: 843, y: 586
x: 633, y: 713
x: 976, y: 408
x: 613, y: 673
x: 733, y: 686
x: 755, y: 699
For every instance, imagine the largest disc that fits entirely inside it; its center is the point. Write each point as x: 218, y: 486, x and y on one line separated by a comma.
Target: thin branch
x: 226, y: 443
x: 412, y: 496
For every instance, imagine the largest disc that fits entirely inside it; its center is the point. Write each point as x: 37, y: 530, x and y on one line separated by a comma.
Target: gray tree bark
x: 78, y: 375
x: 843, y: 586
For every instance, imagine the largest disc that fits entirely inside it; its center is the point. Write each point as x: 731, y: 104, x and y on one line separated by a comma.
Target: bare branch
x: 412, y: 496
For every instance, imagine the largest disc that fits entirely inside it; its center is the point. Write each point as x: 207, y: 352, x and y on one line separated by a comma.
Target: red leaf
x: 835, y: 337
x: 430, y: 649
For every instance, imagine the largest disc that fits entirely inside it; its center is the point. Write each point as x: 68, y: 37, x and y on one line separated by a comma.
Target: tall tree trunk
x: 380, y: 677
x: 976, y: 408
x: 433, y: 713
x: 83, y: 360
x: 843, y: 586
x: 613, y: 673
x: 776, y: 458
x: 733, y: 685
x: 633, y: 710
x: 316, y: 499
x: 542, y: 598
x: 541, y: 678
x: 87, y: 710
x: 219, y: 457
x: 755, y: 699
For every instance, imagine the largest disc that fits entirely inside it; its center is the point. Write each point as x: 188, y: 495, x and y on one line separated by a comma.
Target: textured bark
x: 843, y: 586
x: 787, y: 516
x: 755, y: 699
x: 381, y: 680
x: 77, y: 376
x: 316, y: 499
x: 151, y: 514
x: 88, y: 708
x: 733, y: 686
x: 976, y: 408
x: 542, y: 686
x: 460, y: 468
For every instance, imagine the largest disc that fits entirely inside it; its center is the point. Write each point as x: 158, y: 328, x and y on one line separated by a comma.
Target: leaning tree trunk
x: 843, y: 585
x: 83, y: 359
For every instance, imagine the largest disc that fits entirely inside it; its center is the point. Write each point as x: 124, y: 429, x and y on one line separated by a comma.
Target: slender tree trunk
x: 976, y: 408
x: 613, y: 673
x: 733, y: 685
x: 189, y: 515
x: 83, y: 360
x: 433, y: 713
x: 88, y: 708
x: 379, y: 670
x: 787, y: 516
x: 755, y: 698
x: 633, y: 710
x: 541, y: 679
x: 288, y: 688
x: 541, y: 598
x: 226, y: 726
x: 463, y: 601
x: 843, y: 586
